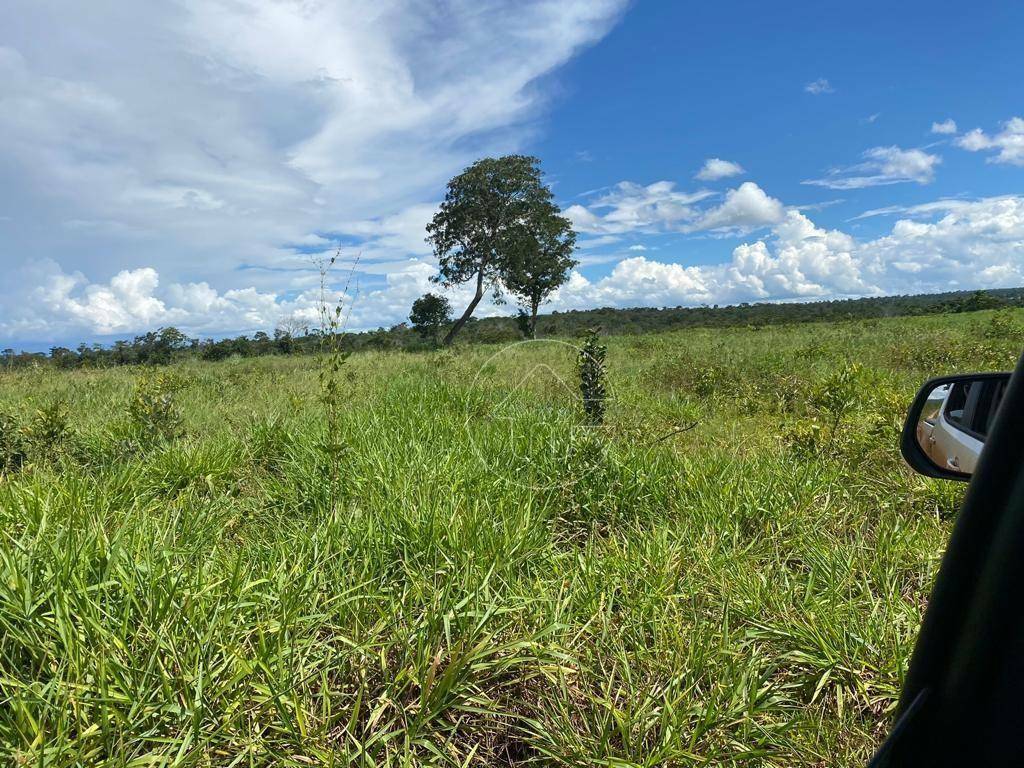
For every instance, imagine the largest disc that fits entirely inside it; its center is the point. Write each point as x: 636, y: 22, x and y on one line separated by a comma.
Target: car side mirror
x: 948, y: 422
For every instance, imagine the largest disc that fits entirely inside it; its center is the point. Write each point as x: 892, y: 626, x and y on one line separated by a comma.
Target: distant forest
x: 165, y: 345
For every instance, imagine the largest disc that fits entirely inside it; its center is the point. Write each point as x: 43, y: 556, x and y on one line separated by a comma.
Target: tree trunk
x: 533, y: 319
x: 469, y: 310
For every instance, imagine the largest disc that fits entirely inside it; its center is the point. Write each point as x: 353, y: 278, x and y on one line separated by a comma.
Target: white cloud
x: 819, y: 86
x: 976, y: 244
x: 631, y: 207
x: 799, y: 261
x: 660, y: 207
x: 745, y: 208
x: 133, y: 301
x: 716, y: 168
x: 635, y: 281
x: 1009, y: 142
x: 945, y: 127
x: 201, y: 136
x: 882, y: 166
x: 946, y: 245
x: 127, y: 301
x: 922, y: 209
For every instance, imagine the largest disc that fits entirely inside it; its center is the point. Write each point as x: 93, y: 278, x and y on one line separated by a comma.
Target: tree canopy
x: 537, y: 262
x: 487, y: 211
x: 429, y: 313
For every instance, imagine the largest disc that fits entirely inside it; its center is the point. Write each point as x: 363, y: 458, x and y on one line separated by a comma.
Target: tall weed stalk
x: 333, y: 312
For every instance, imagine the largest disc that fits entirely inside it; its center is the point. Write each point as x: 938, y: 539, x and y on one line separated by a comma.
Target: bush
x: 49, y: 429
x: 153, y: 415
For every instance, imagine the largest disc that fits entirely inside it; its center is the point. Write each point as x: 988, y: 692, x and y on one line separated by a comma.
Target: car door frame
x: 960, y: 703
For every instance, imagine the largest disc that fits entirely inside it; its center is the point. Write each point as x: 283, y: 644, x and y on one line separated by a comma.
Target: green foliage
x: 429, y: 313
x: 480, y: 585
x: 153, y: 414
x: 496, y: 213
x: 975, y: 301
x: 1005, y: 325
x: 537, y: 260
x: 332, y: 389
x: 13, y: 448
x: 839, y: 393
x: 524, y: 323
x: 296, y: 338
x: 49, y: 429
x: 592, y: 371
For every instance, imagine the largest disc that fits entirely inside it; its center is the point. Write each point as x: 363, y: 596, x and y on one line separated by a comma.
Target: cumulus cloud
x: 882, y: 166
x: 1009, y: 142
x: 945, y: 127
x: 799, y: 260
x: 819, y: 86
x: 134, y: 300
x: 972, y: 244
x: 978, y: 244
x: 716, y: 168
x: 745, y: 208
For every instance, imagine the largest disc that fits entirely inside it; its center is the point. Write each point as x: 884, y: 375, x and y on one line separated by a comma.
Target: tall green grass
x: 487, y: 581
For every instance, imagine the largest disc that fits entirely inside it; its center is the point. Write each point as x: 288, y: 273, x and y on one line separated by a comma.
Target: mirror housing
x: 948, y: 421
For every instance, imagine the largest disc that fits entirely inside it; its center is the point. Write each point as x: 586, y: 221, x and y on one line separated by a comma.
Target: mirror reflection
x: 955, y: 420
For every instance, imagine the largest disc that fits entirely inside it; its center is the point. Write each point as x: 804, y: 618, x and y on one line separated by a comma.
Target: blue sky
x: 181, y: 163
x: 675, y: 83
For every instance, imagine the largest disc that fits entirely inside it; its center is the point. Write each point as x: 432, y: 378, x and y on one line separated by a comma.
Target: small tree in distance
x: 486, y: 209
x: 429, y: 313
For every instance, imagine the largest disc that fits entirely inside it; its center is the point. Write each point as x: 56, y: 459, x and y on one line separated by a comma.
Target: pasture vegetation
x: 193, y: 572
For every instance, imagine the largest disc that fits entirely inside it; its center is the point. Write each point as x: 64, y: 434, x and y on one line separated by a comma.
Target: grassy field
x: 453, y: 570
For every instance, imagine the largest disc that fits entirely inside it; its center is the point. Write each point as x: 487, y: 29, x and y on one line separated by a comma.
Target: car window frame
x: 970, y: 405
x: 998, y: 391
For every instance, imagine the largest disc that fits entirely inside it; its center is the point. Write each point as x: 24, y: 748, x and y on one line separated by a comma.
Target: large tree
x: 538, y: 261
x: 486, y: 211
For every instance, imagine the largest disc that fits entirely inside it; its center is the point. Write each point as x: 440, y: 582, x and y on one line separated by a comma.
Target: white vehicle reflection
x: 955, y: 421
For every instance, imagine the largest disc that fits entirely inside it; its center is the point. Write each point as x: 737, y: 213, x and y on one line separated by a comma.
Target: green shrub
x: 153, y: 416
x: 839, y: 393
x: 49, y: 429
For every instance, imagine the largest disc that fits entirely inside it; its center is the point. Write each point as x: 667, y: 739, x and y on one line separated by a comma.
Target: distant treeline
x: 166, y: 345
